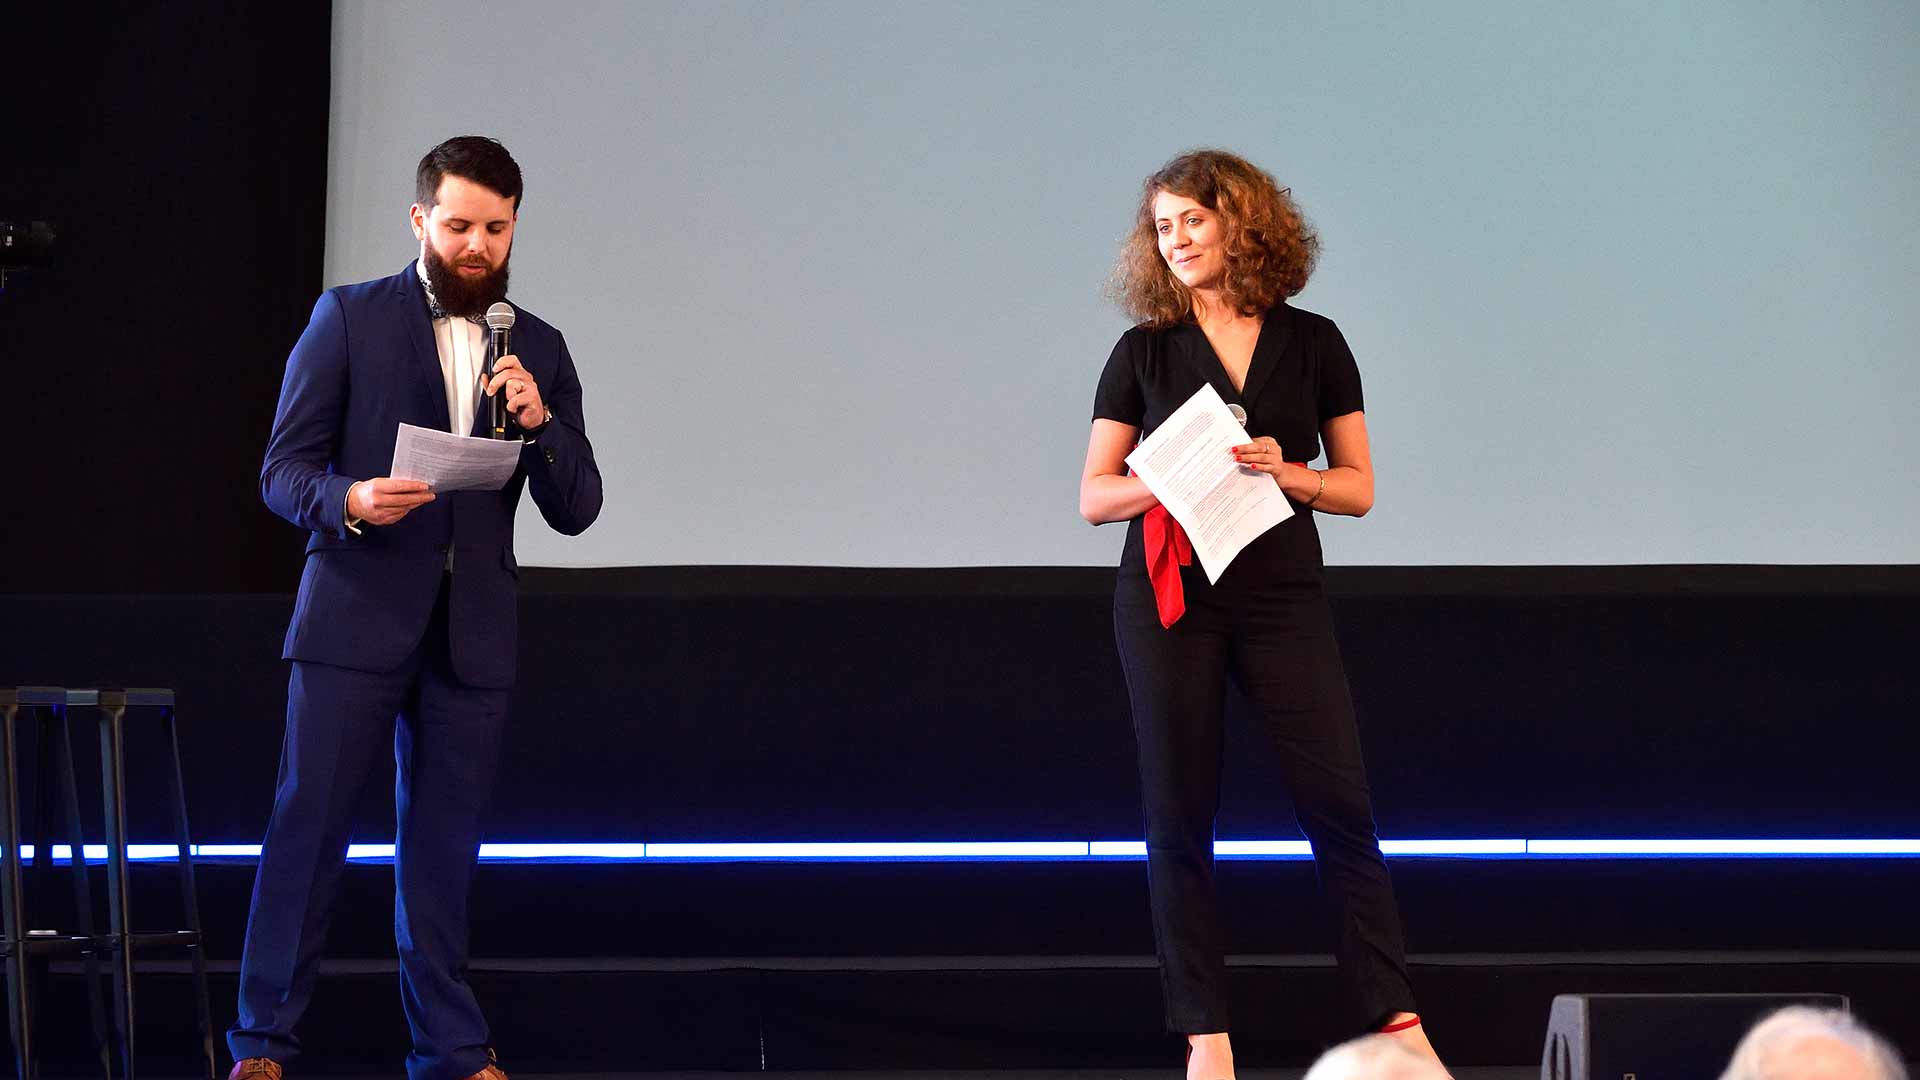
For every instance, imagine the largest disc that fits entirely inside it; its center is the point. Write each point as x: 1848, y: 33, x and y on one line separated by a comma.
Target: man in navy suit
x: 403, y: 632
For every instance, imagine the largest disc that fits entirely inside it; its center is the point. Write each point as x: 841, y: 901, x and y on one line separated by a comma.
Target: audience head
x: 1374, y: 1057
x: 1802, y: 1043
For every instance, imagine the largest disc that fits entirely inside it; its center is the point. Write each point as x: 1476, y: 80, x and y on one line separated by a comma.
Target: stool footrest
x: 158, y: 939
x: 46, y: 944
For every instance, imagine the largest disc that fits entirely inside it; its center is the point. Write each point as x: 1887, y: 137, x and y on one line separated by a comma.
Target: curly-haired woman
x: 1216, y: 250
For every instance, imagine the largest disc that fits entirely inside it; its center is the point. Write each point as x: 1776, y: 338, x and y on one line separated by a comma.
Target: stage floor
x: 1514, y: 1072
x: 946, y: 1018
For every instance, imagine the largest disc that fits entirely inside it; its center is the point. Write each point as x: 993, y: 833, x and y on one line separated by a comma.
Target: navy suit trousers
x: 446, y: 740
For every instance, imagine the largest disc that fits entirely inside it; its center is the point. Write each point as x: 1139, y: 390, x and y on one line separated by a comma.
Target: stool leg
x: 83, y: 897
x: 119, y: 903
x: 19, y: 1019
x: 39, y: 872
x: 189, y: 895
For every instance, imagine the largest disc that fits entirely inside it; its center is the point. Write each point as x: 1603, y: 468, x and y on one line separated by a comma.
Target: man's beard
x: 459, y: 294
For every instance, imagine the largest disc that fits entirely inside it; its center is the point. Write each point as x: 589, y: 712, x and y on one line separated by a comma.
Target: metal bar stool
x: 125, y: 941
x: 20, y: 945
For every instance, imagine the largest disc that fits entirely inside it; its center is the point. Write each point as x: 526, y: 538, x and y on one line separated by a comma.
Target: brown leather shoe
x: 255, y: 1069
x: 492, y: 1071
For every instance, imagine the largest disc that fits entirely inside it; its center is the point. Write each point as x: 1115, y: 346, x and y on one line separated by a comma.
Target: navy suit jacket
x: 365, y: 365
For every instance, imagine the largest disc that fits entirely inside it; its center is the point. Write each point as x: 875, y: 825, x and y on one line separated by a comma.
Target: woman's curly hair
x: 1270, y: 250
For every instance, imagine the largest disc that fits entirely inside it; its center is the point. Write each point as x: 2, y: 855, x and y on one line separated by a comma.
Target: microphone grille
x: 500, y: 316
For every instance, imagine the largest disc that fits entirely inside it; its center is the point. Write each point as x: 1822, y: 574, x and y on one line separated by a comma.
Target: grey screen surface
x: 1627, y: 283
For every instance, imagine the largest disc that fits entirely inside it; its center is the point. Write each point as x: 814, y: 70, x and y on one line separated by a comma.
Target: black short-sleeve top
x: 1301, y: 376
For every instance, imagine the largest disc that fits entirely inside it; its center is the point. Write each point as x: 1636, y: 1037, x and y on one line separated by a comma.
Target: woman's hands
x: 1345, y: 486
x: 1107, y: 493
x: 1264, y: 455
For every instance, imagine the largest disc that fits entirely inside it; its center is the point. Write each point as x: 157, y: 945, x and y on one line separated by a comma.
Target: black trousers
x: 1276, y: 639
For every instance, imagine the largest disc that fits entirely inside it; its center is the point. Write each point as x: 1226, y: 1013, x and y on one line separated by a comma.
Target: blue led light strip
x: 1085, y: 850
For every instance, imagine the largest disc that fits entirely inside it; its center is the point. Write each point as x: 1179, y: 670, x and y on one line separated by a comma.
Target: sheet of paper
x: 449, y: 462
x: 1187, y: 464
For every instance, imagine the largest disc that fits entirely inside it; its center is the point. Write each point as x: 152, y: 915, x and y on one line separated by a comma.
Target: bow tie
x: 435, y: 311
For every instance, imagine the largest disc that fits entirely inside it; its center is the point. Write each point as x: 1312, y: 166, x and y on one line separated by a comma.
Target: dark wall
x: 182, y: 151
x: 691, y: 703
x: 802, y: 704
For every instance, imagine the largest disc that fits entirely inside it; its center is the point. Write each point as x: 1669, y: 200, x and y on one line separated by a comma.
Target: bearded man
x: 403, y: 633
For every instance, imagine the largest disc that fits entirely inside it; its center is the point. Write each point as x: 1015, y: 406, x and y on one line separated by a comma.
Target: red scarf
x: 1168, y: 549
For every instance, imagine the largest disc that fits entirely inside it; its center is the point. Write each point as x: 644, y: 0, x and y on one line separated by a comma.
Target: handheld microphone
x: 499, y: 344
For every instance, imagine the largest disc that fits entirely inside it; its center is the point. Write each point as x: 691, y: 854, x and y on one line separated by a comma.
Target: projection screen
x: 1628, y: 283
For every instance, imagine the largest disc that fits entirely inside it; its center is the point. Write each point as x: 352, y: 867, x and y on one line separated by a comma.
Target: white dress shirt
x: 462, y: 345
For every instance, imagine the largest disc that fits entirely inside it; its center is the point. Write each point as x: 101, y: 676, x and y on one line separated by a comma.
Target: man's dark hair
x: 471, y: 157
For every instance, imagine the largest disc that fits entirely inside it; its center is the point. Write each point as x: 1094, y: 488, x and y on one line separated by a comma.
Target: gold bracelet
x: 1322, y: 474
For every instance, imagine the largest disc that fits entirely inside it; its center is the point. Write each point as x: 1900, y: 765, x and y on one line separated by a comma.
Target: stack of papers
x: 449, y: 462
x: 1187, y: 463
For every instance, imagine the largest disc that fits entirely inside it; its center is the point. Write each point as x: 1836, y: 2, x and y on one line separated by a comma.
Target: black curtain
x: 181, y: 149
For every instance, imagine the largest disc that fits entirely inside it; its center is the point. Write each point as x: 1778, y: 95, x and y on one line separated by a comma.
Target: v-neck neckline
x: 1245, y: 376
x: 1259, y: 365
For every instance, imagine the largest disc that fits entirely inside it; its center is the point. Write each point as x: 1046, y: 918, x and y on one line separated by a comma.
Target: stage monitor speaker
x: 1655, y: 1036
